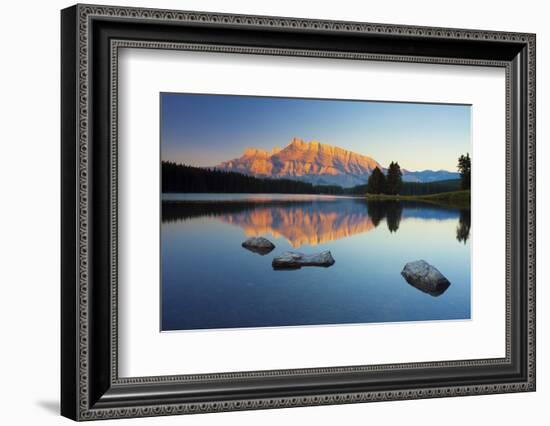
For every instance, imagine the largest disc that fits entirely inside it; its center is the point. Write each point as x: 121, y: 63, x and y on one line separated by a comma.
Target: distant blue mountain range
x: 429, y: 175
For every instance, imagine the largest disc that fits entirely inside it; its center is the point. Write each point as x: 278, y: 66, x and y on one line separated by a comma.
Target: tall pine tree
x: 464, y: 168
x: 377, y: 182
x: 394, y: 180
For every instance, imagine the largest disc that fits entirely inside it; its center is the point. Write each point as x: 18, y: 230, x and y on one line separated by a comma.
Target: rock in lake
x: 258, y: 245
x: 425, y: 277
x: 294, y: 260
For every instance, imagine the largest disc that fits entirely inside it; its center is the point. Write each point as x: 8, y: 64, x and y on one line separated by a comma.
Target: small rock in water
x: 294, y: 260
x: 258, y: 245
x: 425, y: 277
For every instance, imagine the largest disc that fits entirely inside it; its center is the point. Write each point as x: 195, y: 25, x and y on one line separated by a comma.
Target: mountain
x: 429, y: 176
x: 319, y: 164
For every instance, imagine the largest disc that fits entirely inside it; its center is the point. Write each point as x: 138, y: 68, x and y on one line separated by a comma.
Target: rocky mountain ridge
x: 319, y: 164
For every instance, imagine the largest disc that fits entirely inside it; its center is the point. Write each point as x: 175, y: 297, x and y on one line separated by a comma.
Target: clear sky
x: 204, y: 130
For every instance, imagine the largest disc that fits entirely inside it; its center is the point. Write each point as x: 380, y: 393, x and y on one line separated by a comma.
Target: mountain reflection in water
x: 210, y: 282
x: 312, y: 222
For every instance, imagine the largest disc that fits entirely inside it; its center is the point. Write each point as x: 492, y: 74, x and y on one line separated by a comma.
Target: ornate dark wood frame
x: 91, y: 37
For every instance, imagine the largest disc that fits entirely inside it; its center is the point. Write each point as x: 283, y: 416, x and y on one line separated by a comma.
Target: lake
x: 209, y: 281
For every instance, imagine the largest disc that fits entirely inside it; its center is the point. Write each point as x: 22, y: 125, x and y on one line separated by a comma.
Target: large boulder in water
x: 295, y: 260
x: 425, y: 277
x: 258, y: 245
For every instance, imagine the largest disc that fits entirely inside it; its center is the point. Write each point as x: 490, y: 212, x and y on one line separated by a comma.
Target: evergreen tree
x: 377, y: 182
x: 394, y: 179
x: 464, y: 168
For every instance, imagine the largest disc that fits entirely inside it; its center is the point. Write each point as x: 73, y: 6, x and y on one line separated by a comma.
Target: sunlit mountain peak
x: 318, y: 163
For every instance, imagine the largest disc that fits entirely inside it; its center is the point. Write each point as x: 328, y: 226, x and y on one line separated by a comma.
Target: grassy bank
x: 456, y: 199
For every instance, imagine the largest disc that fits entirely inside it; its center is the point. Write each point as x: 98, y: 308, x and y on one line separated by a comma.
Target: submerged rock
x: 425, y: 277
x: 258, y: 245
x: 294, y: 260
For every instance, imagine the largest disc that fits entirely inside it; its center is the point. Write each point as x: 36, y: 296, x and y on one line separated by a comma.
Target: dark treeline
x: 427, y: 188
x: 180, y: 178
x: 416, y: 188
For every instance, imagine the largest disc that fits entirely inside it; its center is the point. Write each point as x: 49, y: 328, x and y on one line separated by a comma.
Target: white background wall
x: 29, y: 224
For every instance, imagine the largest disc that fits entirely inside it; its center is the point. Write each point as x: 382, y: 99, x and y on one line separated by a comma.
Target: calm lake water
x: 209, y: 281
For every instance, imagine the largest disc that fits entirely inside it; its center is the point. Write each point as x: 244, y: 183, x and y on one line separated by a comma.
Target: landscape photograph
x: 279, y: 211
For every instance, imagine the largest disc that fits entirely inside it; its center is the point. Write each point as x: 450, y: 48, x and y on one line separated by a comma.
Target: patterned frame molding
x: 116, y: 45
x: 80, y: 400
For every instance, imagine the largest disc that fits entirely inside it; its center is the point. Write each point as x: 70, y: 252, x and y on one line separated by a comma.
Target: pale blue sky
x: 204, y: 130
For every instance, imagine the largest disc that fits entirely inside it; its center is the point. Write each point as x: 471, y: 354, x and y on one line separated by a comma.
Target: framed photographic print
x: 263, y: 212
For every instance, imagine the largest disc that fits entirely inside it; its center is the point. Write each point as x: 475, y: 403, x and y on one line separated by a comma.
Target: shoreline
x: 456, y: 199
x: 453, y: 199
x: 248, y: 196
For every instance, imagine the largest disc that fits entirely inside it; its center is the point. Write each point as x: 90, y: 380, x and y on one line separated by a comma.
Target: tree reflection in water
x: 390, y: 210
x: 463, y: 227
x: 314, y: 222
